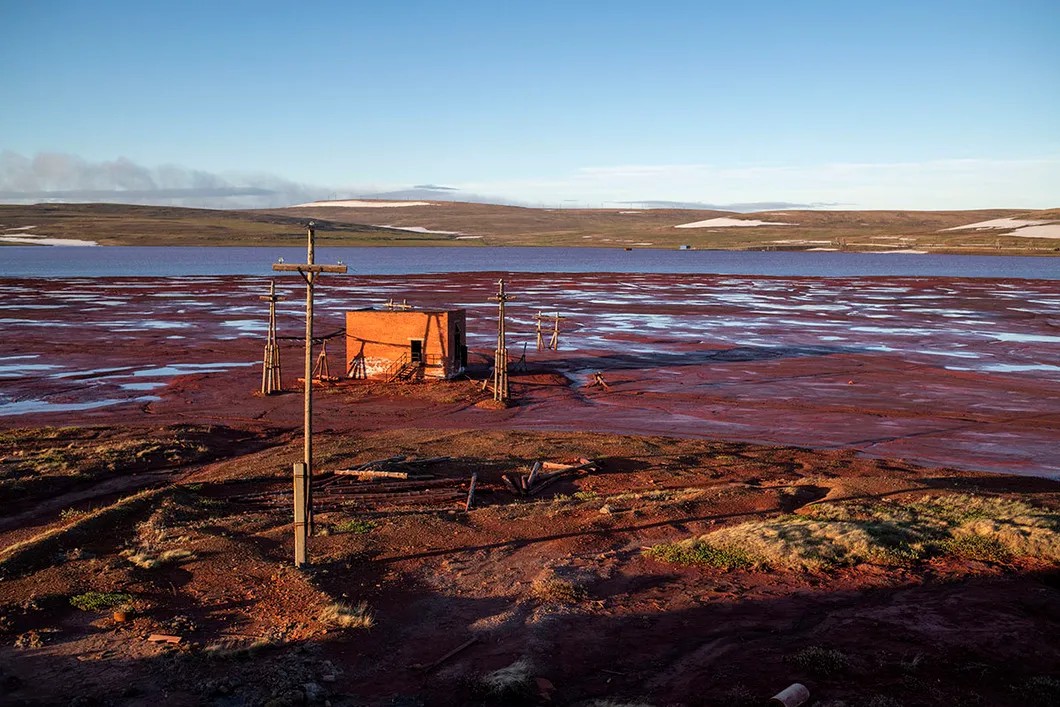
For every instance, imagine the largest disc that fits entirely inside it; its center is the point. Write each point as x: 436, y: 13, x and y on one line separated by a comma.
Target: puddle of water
x: 1020, y: 367
x: 181, y: 369
x: 25, y: 407
x: 897, y: 331
x: 247, y: 326
x: 147, y: 325
x: 21, y: 370
x: 1025, y: 338
x: 91, y: 372
x: 1009, y: 367
x: 143, y: 386
x: 955, y: 354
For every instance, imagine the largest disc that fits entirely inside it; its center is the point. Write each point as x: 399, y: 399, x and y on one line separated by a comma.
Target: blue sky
x: 874, y: 105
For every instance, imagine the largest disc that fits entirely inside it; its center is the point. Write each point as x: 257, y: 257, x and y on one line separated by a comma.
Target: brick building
x: 405, y: 345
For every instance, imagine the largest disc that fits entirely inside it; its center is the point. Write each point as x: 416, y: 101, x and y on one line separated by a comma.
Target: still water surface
x: 37, y: 261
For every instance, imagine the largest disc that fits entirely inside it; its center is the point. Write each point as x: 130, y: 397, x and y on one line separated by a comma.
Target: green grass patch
x: 700, y: 552
x: 98, y: 601
x: 354, y: 525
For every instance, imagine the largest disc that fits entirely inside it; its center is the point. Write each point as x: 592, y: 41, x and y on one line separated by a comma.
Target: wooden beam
x: 308, y: 267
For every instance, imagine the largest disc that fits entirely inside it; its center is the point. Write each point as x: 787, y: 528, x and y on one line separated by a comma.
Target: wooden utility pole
x: 270, y: 372
x: 501, y: 391
x: 554, y: 341
x: 303, y: 472
x: 540, y: 340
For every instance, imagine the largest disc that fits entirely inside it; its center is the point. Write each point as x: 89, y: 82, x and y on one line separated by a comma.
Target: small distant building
x: 406, y: 345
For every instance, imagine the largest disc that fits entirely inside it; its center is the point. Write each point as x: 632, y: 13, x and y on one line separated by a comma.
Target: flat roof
x: 407, y: 311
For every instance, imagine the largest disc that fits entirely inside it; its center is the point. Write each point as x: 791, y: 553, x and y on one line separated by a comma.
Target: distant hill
x: 124, y: 224
x: 423, y: 222
x: 788, y: 229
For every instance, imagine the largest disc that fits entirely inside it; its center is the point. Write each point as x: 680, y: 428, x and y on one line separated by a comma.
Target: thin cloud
x: 739, y: 206
x: 435, y: 187
x: 65, y: 177
x: 929, y: 184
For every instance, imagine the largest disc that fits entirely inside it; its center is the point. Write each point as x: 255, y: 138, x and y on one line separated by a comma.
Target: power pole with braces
x: 303, y: 471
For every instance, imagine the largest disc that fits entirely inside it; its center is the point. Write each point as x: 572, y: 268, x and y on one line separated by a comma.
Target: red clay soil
x: 708, y: 375
x: 617, y: 625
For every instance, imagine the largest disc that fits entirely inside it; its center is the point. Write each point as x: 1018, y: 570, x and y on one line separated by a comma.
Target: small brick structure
x: 406, y: 345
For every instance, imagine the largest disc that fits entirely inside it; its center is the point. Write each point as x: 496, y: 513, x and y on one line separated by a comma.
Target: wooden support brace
x: 533, y: 474
x: 471, y: 493
x: 301, y: 508
x: 423, y: 667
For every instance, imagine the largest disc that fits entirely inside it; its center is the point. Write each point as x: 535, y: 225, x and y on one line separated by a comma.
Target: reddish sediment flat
x: 730, y: 399
x: 953, y: 372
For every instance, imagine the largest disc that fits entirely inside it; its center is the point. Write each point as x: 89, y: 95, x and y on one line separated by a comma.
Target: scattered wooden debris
x: 597, y: 379
x: 163, y: 638
x: 533, y: 474
x: 373, y: 474
x: 544, y: 474
x: 510, y: 484
x: 424, y: 667
x: 397, y: 467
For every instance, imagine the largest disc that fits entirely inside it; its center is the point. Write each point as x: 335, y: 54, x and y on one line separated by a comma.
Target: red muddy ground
x: 891, y: 388
x: 958, y: 372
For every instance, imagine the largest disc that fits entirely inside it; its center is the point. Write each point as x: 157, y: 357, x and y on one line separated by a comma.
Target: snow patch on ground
x: 361, y: 204
x: 467, y: 238
x: 20, y: 228
x: 726, y: 222
x: 1051, y: 230
x: 417, y: 229
x: 998, y: 223
x: 44, y: 240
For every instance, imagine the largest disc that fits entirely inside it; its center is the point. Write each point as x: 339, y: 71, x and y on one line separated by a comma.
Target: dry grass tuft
x: 346, y: 616
x: 821, y: 662
x: 236, y: 649
x: 551, y: 588
x: 155, y: 533
x: 512, y: 684
x: 33, y: 552
x: 1039, y: 690
x: 149, y: 560
x: 896, y: 533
